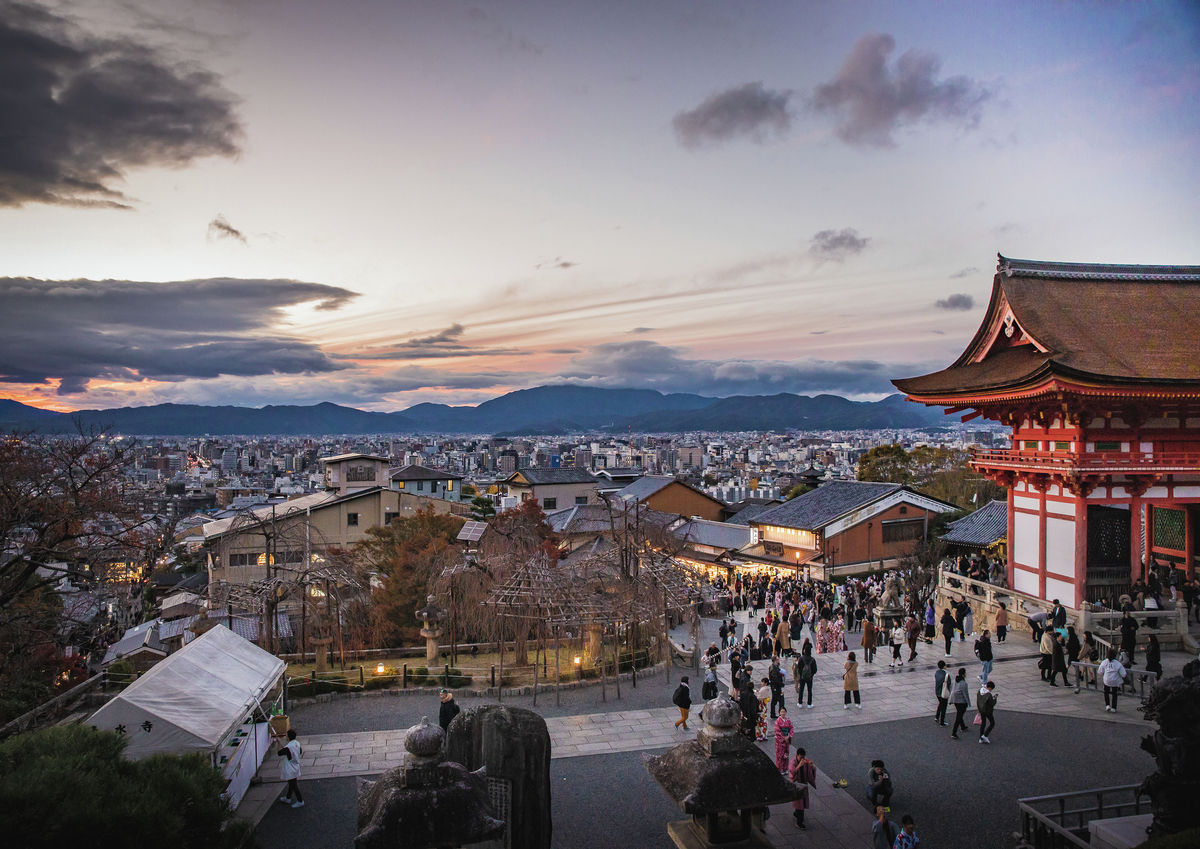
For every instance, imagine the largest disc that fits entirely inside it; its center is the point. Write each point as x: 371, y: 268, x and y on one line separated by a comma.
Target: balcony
x: 1089, y: 463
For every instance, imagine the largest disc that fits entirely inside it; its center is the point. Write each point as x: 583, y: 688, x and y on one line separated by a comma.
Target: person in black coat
x: 948, y: 626
x: 1058, y: 615
x: 1058, y: 662
x: 682, y: 699
x: 448, y: 709
x: 1129, y: 629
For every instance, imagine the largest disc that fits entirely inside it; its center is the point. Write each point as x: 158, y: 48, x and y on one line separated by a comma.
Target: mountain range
x: 540, y: 410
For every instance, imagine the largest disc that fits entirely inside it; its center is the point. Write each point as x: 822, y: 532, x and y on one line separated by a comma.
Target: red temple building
x: 1096, y: 368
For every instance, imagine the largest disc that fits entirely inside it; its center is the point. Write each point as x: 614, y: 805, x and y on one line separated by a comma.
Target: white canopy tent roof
x: 191, y: 700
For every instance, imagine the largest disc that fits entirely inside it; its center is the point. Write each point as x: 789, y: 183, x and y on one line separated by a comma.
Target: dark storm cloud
x: 837, y: 245
x: 220, y: 228
x: 79, y: 330
x: 970, y: 271
x: 647, y: 364
x: 870, y: 100
x: 957, y: 301
x: 747, y: 111
x: 77, y: 112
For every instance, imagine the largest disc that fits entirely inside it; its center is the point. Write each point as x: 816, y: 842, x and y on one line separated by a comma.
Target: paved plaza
x: 366, y: 737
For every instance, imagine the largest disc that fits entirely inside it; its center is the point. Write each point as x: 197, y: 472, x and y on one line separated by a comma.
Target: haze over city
x: 383, y: 203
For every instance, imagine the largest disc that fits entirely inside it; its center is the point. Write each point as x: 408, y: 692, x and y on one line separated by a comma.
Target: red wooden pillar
x: 1080, y: 550
x: 1012, y: 523
x: 1135, y: 538
x: 1041, y: 564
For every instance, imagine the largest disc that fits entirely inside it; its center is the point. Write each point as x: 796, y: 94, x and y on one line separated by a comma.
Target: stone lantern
x: 426, y: 802
x: 723, y: 780
x: 431, y: 629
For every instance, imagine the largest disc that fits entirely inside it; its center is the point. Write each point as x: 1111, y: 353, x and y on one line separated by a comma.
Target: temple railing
x: 985, y: 600
x: 1061, y: 820
x: 1088, y: 462
x: 1169, y: 624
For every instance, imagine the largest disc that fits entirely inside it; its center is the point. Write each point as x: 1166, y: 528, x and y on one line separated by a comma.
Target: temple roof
x: 985, y: 526
x: 1086, y: 323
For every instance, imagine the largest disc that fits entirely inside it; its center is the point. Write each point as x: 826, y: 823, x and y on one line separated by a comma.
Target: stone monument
x: 891, y: 609
x: 431, y: 629
x: 723, y: 780
x: 426, y: 802
x: 1174, y: 787
x: 321, y: 653
x: 514, y: 745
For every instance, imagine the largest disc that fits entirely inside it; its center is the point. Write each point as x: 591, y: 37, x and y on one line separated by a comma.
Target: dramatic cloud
x: 837, y: 245
x: 748, y: 111
x: 445, y: 344
x: 970, y: 271
x: 870, y: 100
x: 646, y: 364
x: 448, y: 335
x: 221, y: 229
x: 410, y: 378
x: 76, y: 331
x: 957, y: 301
x: 77, y: 111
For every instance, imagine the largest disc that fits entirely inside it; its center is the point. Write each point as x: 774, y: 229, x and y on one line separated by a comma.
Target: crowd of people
x: 799, y: 618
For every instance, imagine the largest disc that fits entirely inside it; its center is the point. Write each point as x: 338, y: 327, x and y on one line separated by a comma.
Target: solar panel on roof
x: 472, y: 531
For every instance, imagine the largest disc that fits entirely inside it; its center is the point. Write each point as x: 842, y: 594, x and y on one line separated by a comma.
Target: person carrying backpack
x: 682, y: 699
x: 804, y: 672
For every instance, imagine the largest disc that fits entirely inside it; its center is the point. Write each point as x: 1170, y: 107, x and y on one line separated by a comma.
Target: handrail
x: 1050, y: 829
x: 1071, y: 794
x: 25, y: 720
x: 1080, y: 667
x: 990, y: 591
x: 1088, y: 460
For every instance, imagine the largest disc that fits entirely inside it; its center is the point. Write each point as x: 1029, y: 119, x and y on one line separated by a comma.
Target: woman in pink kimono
x: 837, y: 631
x: 804, y: 773
x: 783, y: 740
x: 823, y: 635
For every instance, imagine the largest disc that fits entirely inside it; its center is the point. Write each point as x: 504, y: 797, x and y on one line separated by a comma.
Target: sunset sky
x: 380, y: 203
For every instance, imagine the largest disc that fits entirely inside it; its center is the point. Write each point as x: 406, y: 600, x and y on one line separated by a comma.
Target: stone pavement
x: 836, y: 817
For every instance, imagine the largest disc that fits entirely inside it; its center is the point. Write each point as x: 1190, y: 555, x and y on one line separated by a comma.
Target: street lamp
x: 579, y: 667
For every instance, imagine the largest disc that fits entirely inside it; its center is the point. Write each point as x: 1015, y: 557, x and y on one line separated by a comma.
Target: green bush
x: 70, y: 786
x: 434, y: 677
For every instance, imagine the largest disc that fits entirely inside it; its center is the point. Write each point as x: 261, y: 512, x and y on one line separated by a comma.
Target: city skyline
x: 379, y: 204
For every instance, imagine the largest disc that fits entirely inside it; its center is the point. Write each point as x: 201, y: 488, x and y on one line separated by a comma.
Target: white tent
x: 193, y: 699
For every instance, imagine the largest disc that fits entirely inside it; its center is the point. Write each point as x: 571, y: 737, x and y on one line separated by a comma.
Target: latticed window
x: 1169, y: 528
x: 1108, y: 536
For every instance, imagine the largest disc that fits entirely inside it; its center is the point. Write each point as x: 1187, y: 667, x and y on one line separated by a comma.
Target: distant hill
x: 793, y: 412
x: 543, y: 409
